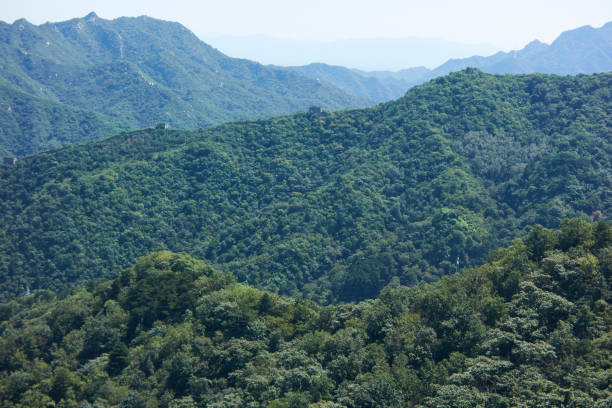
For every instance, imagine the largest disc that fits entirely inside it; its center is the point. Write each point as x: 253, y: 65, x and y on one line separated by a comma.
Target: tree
x: 118, y: 358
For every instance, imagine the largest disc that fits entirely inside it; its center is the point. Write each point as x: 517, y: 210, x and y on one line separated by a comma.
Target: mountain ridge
x: 140, y: 71
x: 354, y: 53
x: 581, y: 50
x: 585, y: 50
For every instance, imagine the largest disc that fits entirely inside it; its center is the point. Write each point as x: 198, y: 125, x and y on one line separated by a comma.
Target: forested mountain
x: 135, y: 72
x: 31, y: 123
x: 329, y: 206
x: 530, y: 328
x: 82, y: 79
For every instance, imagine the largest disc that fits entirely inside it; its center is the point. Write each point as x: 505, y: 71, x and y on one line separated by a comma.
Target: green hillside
x: 530, y: 328
x: 327, y: 206
x: 30, y: 123
x: 141, y: 71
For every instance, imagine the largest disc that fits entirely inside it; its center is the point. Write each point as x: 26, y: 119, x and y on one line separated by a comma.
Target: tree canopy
x: 528, y: 328
x: 330, y: 206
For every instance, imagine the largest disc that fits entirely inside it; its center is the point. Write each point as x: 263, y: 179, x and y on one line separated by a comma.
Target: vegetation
x: 82, y: 79
x: 30, y: 123
x: 353, y: 214
x: 328, y: 206
x: 131, y: 73
x: 532, y: 327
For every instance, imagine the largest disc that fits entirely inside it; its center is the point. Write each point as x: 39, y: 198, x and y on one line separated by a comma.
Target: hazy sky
x: 506, y: 24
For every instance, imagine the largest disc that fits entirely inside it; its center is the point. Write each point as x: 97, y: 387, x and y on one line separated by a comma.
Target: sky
x: 505, y: 24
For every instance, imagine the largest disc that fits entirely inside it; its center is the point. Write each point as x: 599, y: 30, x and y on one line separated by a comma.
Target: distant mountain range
x: 360, y: 53
x: 585, y: 50
x: 81, y: 79
x: 378, y: 86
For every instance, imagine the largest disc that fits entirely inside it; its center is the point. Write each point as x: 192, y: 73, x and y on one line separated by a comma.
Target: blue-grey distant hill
x: 378, y: 86
x: 77, y: 80
x: 360, y: 53
x: 585, y: 50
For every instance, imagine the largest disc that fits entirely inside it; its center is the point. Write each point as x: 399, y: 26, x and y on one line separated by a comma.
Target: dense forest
x: 130, y: 73
x: 448, y: 249
x: 29, y: 123
x: 328, y: 206
x: 532, y: 327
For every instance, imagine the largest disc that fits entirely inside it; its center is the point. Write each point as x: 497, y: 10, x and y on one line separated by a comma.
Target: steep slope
x: 29, y: 123
x: 329, y: 206
x: 140, y: 71
x: 532, y: 327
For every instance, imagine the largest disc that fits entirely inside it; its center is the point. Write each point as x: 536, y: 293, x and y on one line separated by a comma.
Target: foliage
x: 329, y: 206
x: 29, y: 123
x: 469, y: 340
x: 88, y: 77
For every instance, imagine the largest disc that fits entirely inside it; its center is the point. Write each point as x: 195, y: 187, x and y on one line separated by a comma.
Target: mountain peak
x: 584, y: 33
x: 581, y: 50
x: 535, y: 45
x: 21, y: 21
x: 91, y: 16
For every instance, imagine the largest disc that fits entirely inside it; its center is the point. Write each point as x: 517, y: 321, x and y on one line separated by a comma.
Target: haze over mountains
x: 368, y: 54
x: 378, y: 86
x: 585, y: 50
